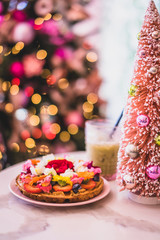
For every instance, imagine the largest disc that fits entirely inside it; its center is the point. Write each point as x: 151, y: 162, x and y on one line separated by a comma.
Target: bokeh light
x: 49, y: 135
x: 41, y: 54
x: 73, y: 129
x: 64, y: 136
x: 92, y: 98
x: 38, y: 21
x: 19, y: 46
x: 29, y: 91
x: 15, y: 51
x: 51, y: 80
x: 21, y: 114
x: 87, y: 107
x: 44, y: 109
x: 48, y: 16
x: 36, y: 133
x: 6, y: 85
x: 91, y: 57
x: 55, y: 128
x: 34, y: 120
x: 25, y: 134
x: 30, y: 143
x: 15, y: 81
x: 14, y: 89
x: 45, y: 73
x: 52, y: 109
x: 15, y: 147
x: 43, y: 150
x: 1, y: 49
x: 36, y: 98
x: 63, y: 83
x: 57, y: 17
x: 9, y: 107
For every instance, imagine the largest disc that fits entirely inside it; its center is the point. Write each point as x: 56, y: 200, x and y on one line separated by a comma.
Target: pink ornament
x: 129, y: 181
x: 16, y: 69
x: 153, y: 172
x: 142, y: 53
x: 142, y: 120
x: 23, y: 32
x: 42, y: 7
x: 19, y: 16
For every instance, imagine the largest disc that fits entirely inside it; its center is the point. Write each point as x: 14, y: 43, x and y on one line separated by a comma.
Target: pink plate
x: 15, y: 191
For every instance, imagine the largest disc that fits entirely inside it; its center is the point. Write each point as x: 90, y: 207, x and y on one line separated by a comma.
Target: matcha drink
x: 104, y: 156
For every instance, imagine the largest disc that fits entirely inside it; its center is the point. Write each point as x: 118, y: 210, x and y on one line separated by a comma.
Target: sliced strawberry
x: 66, y: 188
x: 32, y: 189
x: 90, y: 185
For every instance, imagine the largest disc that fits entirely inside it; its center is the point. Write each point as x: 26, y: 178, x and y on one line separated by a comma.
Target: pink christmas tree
x: 139, y: 153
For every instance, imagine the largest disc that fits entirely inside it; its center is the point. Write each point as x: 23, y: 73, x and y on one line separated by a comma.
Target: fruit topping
x: 76, y: 187
x: 96, y: 177
x: 32, y: 189
x: 66, y: 188
x: 90, y: 185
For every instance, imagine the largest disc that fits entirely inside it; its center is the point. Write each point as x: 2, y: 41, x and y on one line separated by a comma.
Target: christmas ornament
x: 139, y: 36
x: 156, y: 34
x: 16, y: 69
x: 23, y: 32
x: 153, y: 172
x: 133, y: 90
x: 142, y: 53
x: 157, y: 140
x: 43, y: 7
x: 142, y: 120
x: 132, y: 151
x: 129, y: 181
x: 153, y: 70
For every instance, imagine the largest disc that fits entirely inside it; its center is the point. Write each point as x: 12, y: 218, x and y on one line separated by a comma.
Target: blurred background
x: 62, y: 62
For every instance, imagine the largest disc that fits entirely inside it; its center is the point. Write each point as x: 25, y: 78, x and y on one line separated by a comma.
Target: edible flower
x: 96, y: 170
x: 26, y: 166
x: 86, y: 175
x: 76, y: 179
x: 58, y: 178
x: 60, y: 165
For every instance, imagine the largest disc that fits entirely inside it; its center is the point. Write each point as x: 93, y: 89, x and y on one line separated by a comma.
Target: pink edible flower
x: 88, y: 164
x: 46, y: 189
x: 76, y: 179
x: 96, y: 170
x: 26, y: 165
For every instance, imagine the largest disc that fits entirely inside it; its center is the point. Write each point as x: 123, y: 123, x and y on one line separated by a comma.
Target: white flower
x: 68, y: 173
x: 48, y: 157
x: 48, y: 171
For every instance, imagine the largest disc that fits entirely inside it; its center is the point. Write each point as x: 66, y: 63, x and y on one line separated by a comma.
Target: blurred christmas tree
x: 49, y: 79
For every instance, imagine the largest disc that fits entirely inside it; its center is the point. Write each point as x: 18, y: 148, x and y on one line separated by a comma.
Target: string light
x: 6, y: 85
x: 43, y: 150
x: 15, y: 51
x: 36, y: 98
x: 15, y: 147
x: 51, y: 80
x: 87, y: 107
x: 38, y: 21
x: 48, y: 16
x: 30, y: 143
x: 55, y: 128
x: 92, y: 98
x: 57, y: 17
x: 91, y: 57
x: 41, y: 54
x: 14, y: 89
x: 73, y: 129
x: 63, y: 83
x: 7, y: 53
x: 64, y: 136
x: 1, y: 49
x: 52, y: 109
x: 19, y: 46
x: 34, y: 120
x: 9, y: 107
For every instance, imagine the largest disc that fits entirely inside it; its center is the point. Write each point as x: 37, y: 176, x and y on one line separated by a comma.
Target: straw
x: 116, y: 124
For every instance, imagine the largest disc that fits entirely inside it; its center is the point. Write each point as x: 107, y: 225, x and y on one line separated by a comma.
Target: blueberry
x: 96, y: 177
x: 76, y: 187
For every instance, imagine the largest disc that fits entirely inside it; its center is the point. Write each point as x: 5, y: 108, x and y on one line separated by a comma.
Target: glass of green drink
x: 102, y: 144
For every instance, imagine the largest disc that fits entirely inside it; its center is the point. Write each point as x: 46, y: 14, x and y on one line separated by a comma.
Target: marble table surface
x: 115, y: 217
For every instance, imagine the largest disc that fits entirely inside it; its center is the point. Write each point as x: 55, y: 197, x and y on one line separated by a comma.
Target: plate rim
x: 16, y: 192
